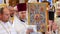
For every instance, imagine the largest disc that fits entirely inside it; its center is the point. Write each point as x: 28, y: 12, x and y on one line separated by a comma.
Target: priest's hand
x: 29, y: 31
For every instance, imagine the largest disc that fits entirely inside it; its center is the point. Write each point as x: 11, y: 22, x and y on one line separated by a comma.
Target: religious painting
x: 37, y: 15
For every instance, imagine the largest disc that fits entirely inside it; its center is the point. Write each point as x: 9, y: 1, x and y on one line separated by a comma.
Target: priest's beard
x: 24, y: 19
x: 11, y: 15
x: 21, y: 18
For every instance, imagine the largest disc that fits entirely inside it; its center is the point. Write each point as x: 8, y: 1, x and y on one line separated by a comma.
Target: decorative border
x: 46, y: 14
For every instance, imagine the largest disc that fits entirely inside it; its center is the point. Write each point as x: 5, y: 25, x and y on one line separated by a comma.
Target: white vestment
x: 21, y: 27
x: 6, y: 28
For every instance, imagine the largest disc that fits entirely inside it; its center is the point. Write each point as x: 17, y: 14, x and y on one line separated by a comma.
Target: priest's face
x: 22, y: 14
x: 12, y: 11
x: 5, y: 15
